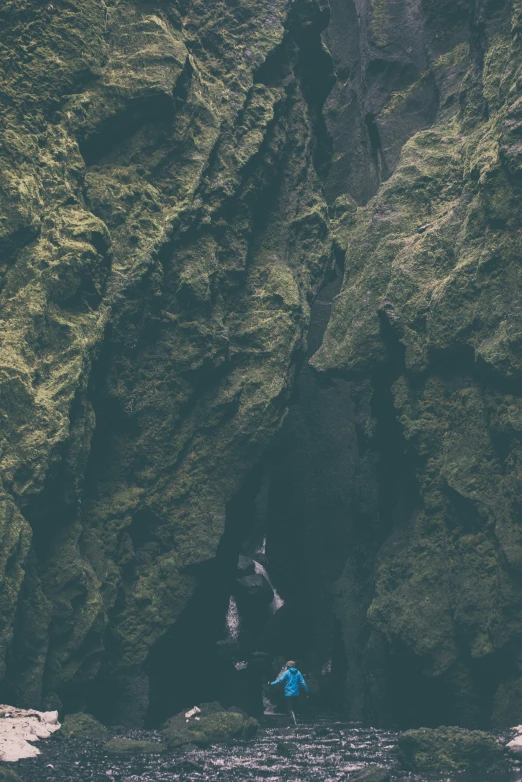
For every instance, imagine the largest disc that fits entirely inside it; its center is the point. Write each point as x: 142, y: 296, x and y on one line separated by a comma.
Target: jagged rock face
x: 429, y: 313
x: 176, y: 181
x: 163, y: 235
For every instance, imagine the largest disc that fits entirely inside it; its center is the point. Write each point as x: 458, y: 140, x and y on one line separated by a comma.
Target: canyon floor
x: 319, y: 750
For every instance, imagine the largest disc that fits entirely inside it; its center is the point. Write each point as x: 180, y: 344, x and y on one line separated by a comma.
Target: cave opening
x: 193, y: 662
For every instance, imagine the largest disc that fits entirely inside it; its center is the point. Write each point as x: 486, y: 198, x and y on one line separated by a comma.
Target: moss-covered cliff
x: 429, y: 313
x: 178, y: 182
x: 163, y: 235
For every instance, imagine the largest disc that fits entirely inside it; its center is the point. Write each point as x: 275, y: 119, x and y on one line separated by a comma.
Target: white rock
x: 18, y: 727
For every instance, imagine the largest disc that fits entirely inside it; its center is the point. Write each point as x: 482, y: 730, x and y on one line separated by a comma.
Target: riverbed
x: 319, y: 750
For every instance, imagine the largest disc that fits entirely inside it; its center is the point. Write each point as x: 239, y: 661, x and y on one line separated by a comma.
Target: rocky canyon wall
x: 260, y: 264
x: 429, y: 316
x: 163, y: 235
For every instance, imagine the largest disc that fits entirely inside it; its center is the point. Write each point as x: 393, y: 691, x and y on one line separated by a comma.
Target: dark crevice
x: 460, y: 360
x: 317, y: 77
x: 155, y: 111
x: 413, y: 698
x: 11, y: 246
x: 141, y: 529
x: 398, y: 488
x: 29, y: 644
x: 57, y: 505
x: 375, y: 146
x: 278, y: 65
x: 462, y: 516
x: 186, y: 665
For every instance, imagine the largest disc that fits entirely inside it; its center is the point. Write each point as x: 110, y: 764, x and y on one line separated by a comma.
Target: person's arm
x: 281, y: 679
x: 303, y: 683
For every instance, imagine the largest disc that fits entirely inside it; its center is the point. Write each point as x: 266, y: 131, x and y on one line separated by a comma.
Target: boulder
x: 211, y: 707
x: 506, y: 704
x: 245, y: 566
x: 254, y: 588
x: 208, y: 726
x: 83, y: 726
x: 250, y: 728
x: 6, y: 775
x: 372, y: 774
x: 20, y: 727
x: 449, y: 749
x: 287, y: 749
x: 186, y: 738
x: 120, y: 746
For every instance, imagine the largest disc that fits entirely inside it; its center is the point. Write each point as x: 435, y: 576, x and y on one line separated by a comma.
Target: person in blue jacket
x: 293, y: 680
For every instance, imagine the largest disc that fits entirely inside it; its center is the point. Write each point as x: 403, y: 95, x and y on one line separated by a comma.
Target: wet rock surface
x: 341, y: 751
x: 83, y: 726
x: 6, y: 775
x: 450, y: 749
x: 208, y: 724
x: 370, y: 775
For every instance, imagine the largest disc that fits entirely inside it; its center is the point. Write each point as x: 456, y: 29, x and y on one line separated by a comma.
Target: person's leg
x: 290, y: 705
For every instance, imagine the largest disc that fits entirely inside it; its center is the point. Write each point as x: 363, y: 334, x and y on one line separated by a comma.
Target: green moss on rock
x: 83, y: 726
x: 428, y: 313
x: 7, y: 775
x: 122, y: 746
x: 372, y: 774
x: 450, y: 749
x: 212, y: 727
x: 127, y: 135
x: 507, y: 705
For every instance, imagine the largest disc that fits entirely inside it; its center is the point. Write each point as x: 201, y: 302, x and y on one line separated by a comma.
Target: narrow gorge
x: 261, y: 356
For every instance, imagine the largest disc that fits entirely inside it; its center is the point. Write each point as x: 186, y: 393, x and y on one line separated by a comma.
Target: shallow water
x: 325, y: 750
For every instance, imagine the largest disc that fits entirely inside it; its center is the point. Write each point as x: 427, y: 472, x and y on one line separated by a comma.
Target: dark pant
x: 291, y: 703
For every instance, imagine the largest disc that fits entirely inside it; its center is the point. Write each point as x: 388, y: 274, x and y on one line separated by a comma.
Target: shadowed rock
x: 83, y: 726
x: 119, y: 746
x: 450, y: 749
x: 374, y: 774
x: 210, y: 726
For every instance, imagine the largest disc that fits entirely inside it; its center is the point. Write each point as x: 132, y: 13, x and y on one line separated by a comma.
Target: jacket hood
x: 292, y: 670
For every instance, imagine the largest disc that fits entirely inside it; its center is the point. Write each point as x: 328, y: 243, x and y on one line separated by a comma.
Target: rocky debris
x: 83, y: 726
x: 450, y: 749
x: 211, y: 725
x: 287, y: 749
x: 19, y: 728
x: 237, y: 760
x: 372, y: 774
x: 120, y: 745
x: 192, y: 713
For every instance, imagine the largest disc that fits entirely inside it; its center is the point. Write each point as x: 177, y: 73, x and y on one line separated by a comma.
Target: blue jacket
x: 293, y: 680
